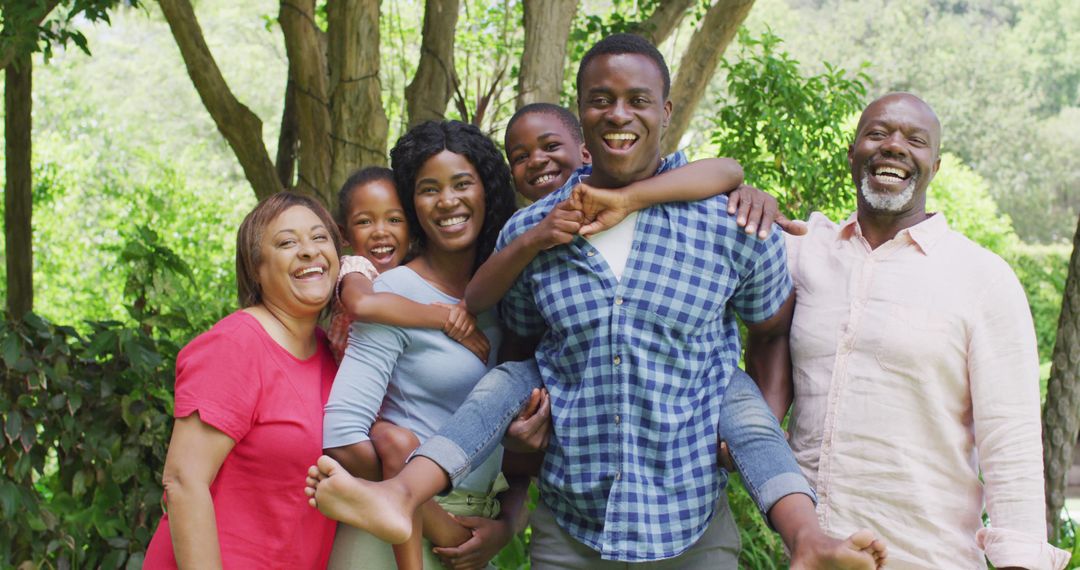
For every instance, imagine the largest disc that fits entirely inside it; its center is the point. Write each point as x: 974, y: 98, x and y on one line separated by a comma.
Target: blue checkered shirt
x: 637, y: 368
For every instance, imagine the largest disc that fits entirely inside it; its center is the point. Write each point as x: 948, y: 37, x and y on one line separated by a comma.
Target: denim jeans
x: 753, y: 434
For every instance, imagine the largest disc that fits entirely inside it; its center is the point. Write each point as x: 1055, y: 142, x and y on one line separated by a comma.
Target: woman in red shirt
x: 249, y: 405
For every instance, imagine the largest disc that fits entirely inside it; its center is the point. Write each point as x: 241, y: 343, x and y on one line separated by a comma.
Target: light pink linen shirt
x: 915, y: 366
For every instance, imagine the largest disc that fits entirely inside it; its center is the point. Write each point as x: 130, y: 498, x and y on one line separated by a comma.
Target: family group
x: 591, y: 340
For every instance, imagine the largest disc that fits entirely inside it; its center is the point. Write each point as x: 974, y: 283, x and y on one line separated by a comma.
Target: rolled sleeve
x: 765, y: 283
x: 1007, y: 548
x: 1003, y: 368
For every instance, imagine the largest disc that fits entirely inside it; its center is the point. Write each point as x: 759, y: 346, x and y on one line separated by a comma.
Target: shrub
x: 86, y: 420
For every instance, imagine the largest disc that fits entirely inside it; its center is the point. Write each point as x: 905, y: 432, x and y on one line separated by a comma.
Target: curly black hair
x: 357, y: 179
x: 426, y: 140
x: 559, y: 112
x: 625, y: 43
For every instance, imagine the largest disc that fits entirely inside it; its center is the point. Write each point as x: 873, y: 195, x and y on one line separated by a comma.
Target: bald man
x: 915, y: 367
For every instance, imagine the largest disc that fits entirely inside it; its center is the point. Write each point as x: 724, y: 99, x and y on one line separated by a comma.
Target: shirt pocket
x: 688, y: 300
x: 912, y: 339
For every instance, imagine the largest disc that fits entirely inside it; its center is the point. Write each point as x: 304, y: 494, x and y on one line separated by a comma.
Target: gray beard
x: 886, y: 201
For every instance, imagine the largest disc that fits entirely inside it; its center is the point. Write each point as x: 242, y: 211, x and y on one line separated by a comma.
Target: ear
x: 850, y: 151
x: 586, y: 158
x: 667, y: 113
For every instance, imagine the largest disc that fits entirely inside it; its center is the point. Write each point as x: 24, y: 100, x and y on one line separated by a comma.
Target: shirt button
x: 618, y: 300
x: 617, y: 419
x: 616, y: 360
x: 591, y: 253
x: 618, y: 475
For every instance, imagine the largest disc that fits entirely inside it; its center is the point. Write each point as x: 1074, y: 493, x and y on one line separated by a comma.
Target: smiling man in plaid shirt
x: 639, y: 340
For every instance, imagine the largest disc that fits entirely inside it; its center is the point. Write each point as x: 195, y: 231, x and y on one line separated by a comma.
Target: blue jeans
x: 753, y: 435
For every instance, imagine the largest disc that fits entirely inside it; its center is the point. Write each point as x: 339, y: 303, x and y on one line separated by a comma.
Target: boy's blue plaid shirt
x: 637, y: 368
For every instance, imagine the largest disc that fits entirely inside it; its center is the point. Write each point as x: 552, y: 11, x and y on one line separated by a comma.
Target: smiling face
x: 376, y: 226
x: 623, y: 115
x: 543, y: 154
x: 299, y: 263
x: 449, y: 200
x: 895, y: 154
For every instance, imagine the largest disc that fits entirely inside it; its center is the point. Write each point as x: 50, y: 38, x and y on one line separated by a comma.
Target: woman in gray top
x: 457, y: 193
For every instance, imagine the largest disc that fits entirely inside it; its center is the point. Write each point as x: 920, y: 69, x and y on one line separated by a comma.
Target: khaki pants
x: 553, y: 548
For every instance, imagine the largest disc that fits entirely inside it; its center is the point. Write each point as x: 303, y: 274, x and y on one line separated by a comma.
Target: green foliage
x: 762, y: 548
x: 787, y: 129
x: 1042, y: 270
x: 964, y: 198
x: 85, y: 422
x: 22, y: 28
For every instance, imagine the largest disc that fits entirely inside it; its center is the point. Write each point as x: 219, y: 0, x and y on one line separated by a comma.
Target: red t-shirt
x: 271, y: 404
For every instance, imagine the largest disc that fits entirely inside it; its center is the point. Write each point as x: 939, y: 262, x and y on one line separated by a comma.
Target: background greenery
x: 137, y: 198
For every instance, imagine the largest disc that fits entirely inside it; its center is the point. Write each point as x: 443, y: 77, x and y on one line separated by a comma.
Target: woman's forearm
x: 192, y: 525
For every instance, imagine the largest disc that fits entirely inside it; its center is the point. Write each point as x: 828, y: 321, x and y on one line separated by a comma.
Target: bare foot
x: 378, y: 508
x: 860, y: 551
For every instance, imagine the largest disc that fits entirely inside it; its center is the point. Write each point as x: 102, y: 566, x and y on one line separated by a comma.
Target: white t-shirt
x: 614, y: 244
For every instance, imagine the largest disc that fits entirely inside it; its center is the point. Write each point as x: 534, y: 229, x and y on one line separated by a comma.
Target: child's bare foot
x: 378, y: 508
x: 860, y: 551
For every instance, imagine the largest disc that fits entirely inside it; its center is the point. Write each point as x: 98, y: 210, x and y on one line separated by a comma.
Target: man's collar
x: 925, y: 234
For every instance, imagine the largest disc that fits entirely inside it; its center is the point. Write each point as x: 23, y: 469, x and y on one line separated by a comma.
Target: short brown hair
x: 249, y: 238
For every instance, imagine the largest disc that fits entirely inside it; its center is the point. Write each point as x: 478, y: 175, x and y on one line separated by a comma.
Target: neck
x: 295, y: 333
x: 880, y: 227
x: 448, y: 271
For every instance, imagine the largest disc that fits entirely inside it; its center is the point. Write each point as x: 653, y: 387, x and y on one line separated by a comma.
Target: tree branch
x: 663, y: 21
x: 699, y: 63
x: 238, y: 124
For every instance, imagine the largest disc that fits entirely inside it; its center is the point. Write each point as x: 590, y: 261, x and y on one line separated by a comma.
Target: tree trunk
x: 358, y: 118
x: 308, y: 70
x: 238, y: 124
x: 699, y: 63
x: 288, y: 137
x: 663, y: 21
x: 547, y: 34
x: 1061, y: 416
x: 18, y: 201
x: 433, y: 85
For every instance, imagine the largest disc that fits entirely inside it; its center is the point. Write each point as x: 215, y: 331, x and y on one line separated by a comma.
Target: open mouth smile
x: 452, y: 221
x: 890, y: 174
x: 620, y: 141
x: 307, y: 273
x: 543, y: 178
x: 382, y: 252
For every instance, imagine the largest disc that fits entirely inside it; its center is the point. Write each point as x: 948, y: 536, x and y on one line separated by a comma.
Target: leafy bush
x: 788, y: 131
x: 85, y: 421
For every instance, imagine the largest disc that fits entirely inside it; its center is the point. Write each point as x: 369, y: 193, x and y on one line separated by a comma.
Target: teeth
x: 889, y: 170
x: 308, y: 271
x: 543, y: 179
x: 382, y: 249
x: 453, y: 221
x: 620, y: 137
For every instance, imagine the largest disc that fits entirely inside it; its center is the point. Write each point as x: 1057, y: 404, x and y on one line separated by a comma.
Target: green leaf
x: 12, y: 426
